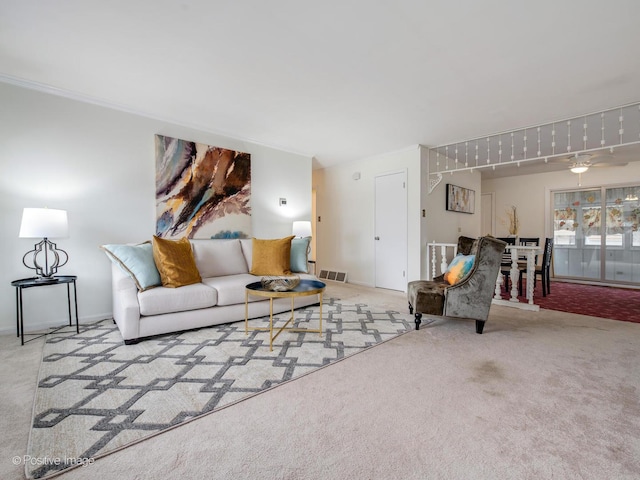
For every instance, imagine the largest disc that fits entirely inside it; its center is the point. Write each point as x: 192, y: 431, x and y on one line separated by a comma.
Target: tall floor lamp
x: 44, y: 223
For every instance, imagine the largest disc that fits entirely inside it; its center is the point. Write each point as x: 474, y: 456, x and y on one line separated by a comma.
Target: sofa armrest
x: 126, y: 309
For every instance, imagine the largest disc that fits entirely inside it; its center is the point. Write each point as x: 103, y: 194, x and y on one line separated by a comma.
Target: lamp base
x: 48, y: 248
x: 44, y: 279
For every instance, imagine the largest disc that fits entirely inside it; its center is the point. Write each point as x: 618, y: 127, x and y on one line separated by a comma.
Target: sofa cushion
x: 169, y: 300
x: 231, y: 289
x: 247, y: 249
x: 271, y: 257
x: 217, y: 258
x: 137, y: 261
x: 174, y: 260
x: 299, y: 259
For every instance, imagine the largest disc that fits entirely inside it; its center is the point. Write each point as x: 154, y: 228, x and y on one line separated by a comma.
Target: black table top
x: 38, y: 281
x: 303, y: 286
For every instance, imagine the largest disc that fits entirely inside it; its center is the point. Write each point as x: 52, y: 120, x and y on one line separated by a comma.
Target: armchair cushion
x: 459, y: 268
x: 426, y: 296
x: 466, y: 246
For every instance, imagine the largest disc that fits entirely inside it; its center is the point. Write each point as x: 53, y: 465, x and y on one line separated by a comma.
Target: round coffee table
x: 303, y: 289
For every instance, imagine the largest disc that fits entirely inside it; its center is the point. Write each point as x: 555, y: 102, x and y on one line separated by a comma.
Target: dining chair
x: 522, y: 259
x: 528, y: 242
x: 505, y: 264
x: 544, y: 270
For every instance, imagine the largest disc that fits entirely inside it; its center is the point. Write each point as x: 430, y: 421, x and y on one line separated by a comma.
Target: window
x: 590, y: 244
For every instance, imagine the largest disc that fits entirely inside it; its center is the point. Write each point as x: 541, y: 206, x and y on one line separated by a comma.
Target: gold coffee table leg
x: 246, y: 312
x: 255, y: 289
x: 271, y: 324
x: 293, y: 322
x: 320, y: 294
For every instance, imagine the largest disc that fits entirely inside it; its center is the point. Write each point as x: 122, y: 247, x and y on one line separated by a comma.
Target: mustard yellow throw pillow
x: 175, y: 262
x: 271, y: 257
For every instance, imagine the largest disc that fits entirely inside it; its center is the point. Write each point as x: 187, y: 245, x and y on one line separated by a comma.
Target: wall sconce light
x: 44, y: 223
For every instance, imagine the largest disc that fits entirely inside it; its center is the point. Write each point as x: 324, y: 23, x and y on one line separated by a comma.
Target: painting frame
x: 460, y: 199
x: 202, y: 191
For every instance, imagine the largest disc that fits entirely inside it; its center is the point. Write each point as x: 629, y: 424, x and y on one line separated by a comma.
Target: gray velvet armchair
x: 471, y: 297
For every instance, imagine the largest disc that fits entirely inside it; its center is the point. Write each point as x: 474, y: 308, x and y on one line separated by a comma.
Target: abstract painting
x: 201, y: 191
x: 460, y: 199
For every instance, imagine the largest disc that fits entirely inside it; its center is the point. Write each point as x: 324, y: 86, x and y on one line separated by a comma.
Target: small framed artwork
x: 460, y: 199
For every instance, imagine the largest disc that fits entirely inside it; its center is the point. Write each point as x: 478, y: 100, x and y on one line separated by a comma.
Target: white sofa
x: 224, y: 267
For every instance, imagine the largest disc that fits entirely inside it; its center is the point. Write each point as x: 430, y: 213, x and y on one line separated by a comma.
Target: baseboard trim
x: 35, y: 327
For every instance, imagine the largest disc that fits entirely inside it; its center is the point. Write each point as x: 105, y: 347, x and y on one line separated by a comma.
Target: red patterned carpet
x: 606, y: 302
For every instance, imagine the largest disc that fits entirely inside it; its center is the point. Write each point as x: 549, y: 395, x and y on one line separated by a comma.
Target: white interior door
x: 487, y: 218
x: 391, y: 231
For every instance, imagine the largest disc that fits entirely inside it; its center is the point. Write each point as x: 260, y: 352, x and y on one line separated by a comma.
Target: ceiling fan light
x: 579, y: 169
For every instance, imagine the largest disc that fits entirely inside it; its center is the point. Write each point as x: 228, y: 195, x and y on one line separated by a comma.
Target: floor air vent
x: 333, y: 275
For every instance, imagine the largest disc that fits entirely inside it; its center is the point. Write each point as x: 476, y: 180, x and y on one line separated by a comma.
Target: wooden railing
x: 441, y: 254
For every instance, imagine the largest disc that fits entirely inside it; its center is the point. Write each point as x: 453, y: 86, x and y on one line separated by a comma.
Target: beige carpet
x: 97, y: 395
x: 538, y: 395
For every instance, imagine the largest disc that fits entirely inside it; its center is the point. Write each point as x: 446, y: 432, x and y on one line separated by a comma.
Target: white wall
x: 99, y: 165
x: 530, y: 194
x: 345, y: 234
x: 440, y: 225
x: 445, y: 226
x: 346, y: 206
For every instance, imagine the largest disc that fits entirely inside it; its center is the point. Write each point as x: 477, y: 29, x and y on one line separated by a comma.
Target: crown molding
x: 60, y: 92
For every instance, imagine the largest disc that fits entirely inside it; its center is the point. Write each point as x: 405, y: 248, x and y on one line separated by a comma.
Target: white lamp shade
x: 301, y: 229
x: 44, y: 223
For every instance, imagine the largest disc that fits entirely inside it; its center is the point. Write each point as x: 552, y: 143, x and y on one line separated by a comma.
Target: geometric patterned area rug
x: 96, y: 395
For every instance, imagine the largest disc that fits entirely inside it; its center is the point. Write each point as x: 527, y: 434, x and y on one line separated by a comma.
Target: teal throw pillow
x: 459, y: 268
x: 137, y: 261
x: 299, y: 247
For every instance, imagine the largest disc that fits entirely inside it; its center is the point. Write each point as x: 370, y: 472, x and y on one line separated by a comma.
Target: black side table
x: 40, y: 282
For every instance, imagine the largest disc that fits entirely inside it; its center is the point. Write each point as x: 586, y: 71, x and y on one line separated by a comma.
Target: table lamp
x: 301, y: 229
x: 44, y: 223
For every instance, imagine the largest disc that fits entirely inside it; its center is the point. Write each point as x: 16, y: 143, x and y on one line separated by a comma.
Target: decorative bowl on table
x: 280, y: 283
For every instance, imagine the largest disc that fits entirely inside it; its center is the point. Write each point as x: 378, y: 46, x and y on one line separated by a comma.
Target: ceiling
x: 336, y: 80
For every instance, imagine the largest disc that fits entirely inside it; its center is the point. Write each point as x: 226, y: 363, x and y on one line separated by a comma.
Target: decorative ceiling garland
x: 618, y: 127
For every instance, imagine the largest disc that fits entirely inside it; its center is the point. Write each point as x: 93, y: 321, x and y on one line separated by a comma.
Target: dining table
x: 523, y: 258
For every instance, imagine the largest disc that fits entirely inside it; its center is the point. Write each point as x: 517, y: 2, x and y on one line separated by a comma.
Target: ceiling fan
x: 581, y: 162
